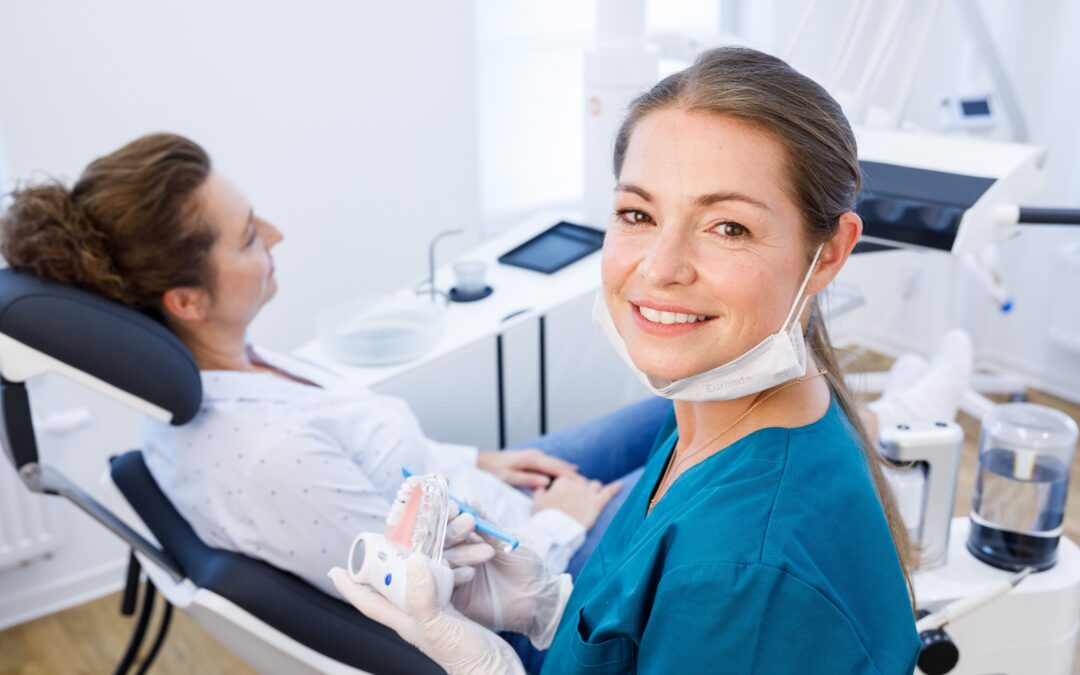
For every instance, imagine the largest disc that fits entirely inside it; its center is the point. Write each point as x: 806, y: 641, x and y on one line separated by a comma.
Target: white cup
x: 470, y: 276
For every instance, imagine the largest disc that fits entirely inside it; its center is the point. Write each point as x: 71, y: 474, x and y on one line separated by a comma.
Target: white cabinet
x: 585, y: 377
x: 455, y: 397
x: 520, y: 351
x: 489, y: 392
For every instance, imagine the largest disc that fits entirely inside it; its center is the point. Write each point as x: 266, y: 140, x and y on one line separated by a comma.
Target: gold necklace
x: 673, y: 466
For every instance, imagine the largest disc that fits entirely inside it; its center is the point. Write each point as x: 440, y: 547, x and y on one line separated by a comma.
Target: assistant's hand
x: 579, y: 498
x: 530, y: 468
x: 507, y: 590
x: 470, y: 551
x: 454, y: 642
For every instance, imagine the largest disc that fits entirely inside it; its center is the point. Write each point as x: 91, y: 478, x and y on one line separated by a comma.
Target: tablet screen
x: 555, y: 248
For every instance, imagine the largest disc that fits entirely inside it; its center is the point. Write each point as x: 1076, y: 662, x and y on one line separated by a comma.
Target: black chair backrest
x: 103, y: 339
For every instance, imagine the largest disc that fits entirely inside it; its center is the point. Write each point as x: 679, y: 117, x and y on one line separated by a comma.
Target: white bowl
x: 380, y: 330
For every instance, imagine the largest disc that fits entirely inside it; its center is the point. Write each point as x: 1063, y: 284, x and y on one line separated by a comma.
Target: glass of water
x: 1025, y: 453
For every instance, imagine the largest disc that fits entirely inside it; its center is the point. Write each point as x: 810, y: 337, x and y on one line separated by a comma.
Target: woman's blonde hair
x: 823, y: 177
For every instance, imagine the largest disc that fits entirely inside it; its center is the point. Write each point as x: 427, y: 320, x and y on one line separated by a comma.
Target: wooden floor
x: 90, y: 638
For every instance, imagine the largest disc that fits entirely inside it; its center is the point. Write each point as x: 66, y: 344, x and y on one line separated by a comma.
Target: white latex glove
x: 510, y: 591
x: 469, y: 549
x: 457, y: 644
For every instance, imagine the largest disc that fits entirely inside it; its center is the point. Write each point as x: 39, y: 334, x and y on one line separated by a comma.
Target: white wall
x: 5, y: 178
x: 351, y: 125
x: 530, y: 84
x: 530, y: 97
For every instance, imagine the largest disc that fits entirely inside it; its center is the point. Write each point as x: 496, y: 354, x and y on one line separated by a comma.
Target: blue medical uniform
x: 773, y: 556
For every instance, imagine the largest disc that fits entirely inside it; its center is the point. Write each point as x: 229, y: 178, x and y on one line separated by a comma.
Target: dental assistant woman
x: 761, y: 537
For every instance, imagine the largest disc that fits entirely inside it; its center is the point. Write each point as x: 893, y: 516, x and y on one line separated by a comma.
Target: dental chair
x: 271, y: 619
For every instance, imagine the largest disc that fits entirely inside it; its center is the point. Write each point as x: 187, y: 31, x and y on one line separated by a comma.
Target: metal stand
x: 131, y: 586
x: 166, y: 621
x: 138, y: 635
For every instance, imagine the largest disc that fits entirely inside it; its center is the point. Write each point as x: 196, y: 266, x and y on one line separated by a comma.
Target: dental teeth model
x: 416, y: 524
x: 483, y: 526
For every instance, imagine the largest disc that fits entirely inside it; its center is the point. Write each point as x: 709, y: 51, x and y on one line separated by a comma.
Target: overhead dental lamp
x: 955, y: 194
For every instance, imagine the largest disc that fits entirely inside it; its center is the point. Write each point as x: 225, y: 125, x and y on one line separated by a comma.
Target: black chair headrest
x: 52, y: 327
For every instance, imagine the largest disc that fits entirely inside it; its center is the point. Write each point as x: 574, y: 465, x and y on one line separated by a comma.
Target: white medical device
x: 969, y: 113
x: 416, y: 524
x: 380, y: 564
x: 927, y: 456
x: 1030, y: 629
x: 975, y: 618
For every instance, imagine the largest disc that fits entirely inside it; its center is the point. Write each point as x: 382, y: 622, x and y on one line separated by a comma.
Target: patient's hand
x: 524, y: 468
x: 578, y: 497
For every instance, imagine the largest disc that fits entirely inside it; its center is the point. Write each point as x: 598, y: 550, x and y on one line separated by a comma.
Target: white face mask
x: 776, y: 359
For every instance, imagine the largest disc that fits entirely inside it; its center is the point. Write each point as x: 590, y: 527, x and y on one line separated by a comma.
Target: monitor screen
x: 978, y: 107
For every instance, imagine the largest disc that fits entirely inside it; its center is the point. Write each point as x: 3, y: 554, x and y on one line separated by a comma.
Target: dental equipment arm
x: 1030, y: 215
x: 1012, y: 214
x: 970, y: 603
x: 985, y: 268
x: 454, y: 642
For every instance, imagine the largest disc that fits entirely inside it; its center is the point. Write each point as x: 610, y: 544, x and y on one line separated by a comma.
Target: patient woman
x: 285, y: 461
x: 761, y: 537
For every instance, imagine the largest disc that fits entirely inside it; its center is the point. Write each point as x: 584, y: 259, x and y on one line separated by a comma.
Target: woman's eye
x: 256, y: 232
x: 633, y: 217
x: 731, y: 230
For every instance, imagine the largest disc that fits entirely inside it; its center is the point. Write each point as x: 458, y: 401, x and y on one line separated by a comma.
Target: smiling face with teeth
x: 706, y: 251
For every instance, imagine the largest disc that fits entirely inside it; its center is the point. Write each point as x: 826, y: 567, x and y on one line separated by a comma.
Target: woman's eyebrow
x: 703, y: 200
x: 628, y: 187
x: 714, y: 197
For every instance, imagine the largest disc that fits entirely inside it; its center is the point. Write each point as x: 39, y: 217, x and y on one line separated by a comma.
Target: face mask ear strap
x: 806, y: 280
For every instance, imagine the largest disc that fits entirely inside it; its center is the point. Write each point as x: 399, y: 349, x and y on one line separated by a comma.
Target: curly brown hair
x: 129, y: 229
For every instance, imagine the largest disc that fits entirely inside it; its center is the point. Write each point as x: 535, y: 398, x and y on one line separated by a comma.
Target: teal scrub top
x: 773, y: 556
